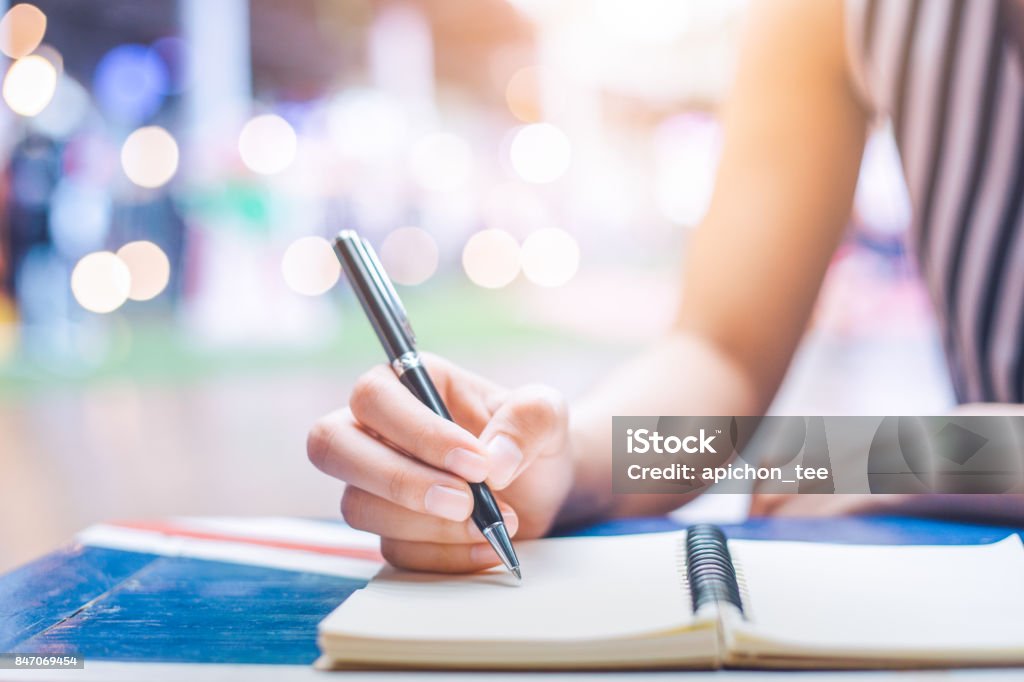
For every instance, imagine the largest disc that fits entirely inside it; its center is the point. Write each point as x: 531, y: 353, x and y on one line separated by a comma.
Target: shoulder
x: 806, y: 42
x: 885, y: 40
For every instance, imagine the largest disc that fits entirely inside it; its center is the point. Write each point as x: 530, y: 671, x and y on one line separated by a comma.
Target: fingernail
x: 505, y: 458
x: 483, y: 554
x: 448, y: 503
x: 511, y: 521
x: 467, y: 464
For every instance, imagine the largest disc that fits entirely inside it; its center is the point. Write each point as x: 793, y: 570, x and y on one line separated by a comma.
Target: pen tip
x: 517, y: 572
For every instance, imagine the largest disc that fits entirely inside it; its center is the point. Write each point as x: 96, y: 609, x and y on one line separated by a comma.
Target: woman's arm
x: 794, y: 134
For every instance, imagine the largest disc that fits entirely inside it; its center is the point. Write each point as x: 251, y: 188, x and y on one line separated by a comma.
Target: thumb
x: 529, y: 422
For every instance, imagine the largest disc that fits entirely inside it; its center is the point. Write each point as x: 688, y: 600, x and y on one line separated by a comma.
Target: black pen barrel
x: 418, y: 381
x: 485, y: 507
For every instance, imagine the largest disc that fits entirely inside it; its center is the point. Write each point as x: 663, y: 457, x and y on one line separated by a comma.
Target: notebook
x: 693, y: 599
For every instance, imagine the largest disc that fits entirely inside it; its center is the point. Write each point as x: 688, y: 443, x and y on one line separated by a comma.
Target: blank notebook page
x: 884, y: 598
x: 572, y: 589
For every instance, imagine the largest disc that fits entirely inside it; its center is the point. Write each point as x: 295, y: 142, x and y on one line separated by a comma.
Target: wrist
x: 590, y: 493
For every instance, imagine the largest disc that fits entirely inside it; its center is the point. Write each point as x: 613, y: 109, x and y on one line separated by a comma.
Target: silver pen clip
x: 386, y: 288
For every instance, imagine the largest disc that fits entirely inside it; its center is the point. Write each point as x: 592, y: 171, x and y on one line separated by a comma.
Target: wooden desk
x: 222, y: 598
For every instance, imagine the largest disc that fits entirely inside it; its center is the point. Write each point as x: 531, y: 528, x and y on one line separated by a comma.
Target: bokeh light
x: 366, y: 124
x: 267, y: 144
x: 491, y: 258
x: 309, y: 266
x: 523, y: 94
x: 550, y: 257
x: 149, y: 156
x: 65, y: 112
x: 21, y: 30
x: 149, y: 268
x: 29, y: 85
x: 130, y: 83
x: 52, y: 55
x: 409, y: 255
x: 540, y: 152
x: 101, y: 282
x: 441, y: 162
x: 80, y: 214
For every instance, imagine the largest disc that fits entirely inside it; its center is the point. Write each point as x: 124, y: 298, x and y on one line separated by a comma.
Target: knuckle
x: 542, y: 408
x: 319, y: 441
x: 398, y: 484
x: 352, y: 508
x: 426, y: 442
x: 452, y: 559
x: 367, y: 390
x: 391, y: 552
x: 431, y: 557
x: 397, y: 553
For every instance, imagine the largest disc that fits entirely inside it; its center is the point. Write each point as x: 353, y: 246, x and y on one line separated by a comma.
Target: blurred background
x: 171, y: 315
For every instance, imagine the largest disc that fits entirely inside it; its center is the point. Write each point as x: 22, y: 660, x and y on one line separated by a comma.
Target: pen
x: 387, y: 316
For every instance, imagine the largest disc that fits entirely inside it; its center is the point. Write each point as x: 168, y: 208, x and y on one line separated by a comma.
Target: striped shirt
x: 948, y: 73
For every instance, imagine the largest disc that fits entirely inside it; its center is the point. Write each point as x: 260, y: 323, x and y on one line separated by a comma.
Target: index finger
x: 382, y: 404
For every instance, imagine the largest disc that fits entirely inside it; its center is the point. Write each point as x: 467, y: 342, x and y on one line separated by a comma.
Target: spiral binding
x: 682, y: 569
x: 710, y: 573
x: 741, y: 580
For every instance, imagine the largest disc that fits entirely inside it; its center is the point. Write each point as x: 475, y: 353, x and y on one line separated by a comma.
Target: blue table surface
x: 128, y: 606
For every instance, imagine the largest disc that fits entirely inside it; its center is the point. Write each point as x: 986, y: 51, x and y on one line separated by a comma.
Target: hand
x: 791, y: 504
x: 406, y: 468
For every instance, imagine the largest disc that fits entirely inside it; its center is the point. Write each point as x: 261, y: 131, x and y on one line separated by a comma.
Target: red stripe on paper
x: 164, y: 528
